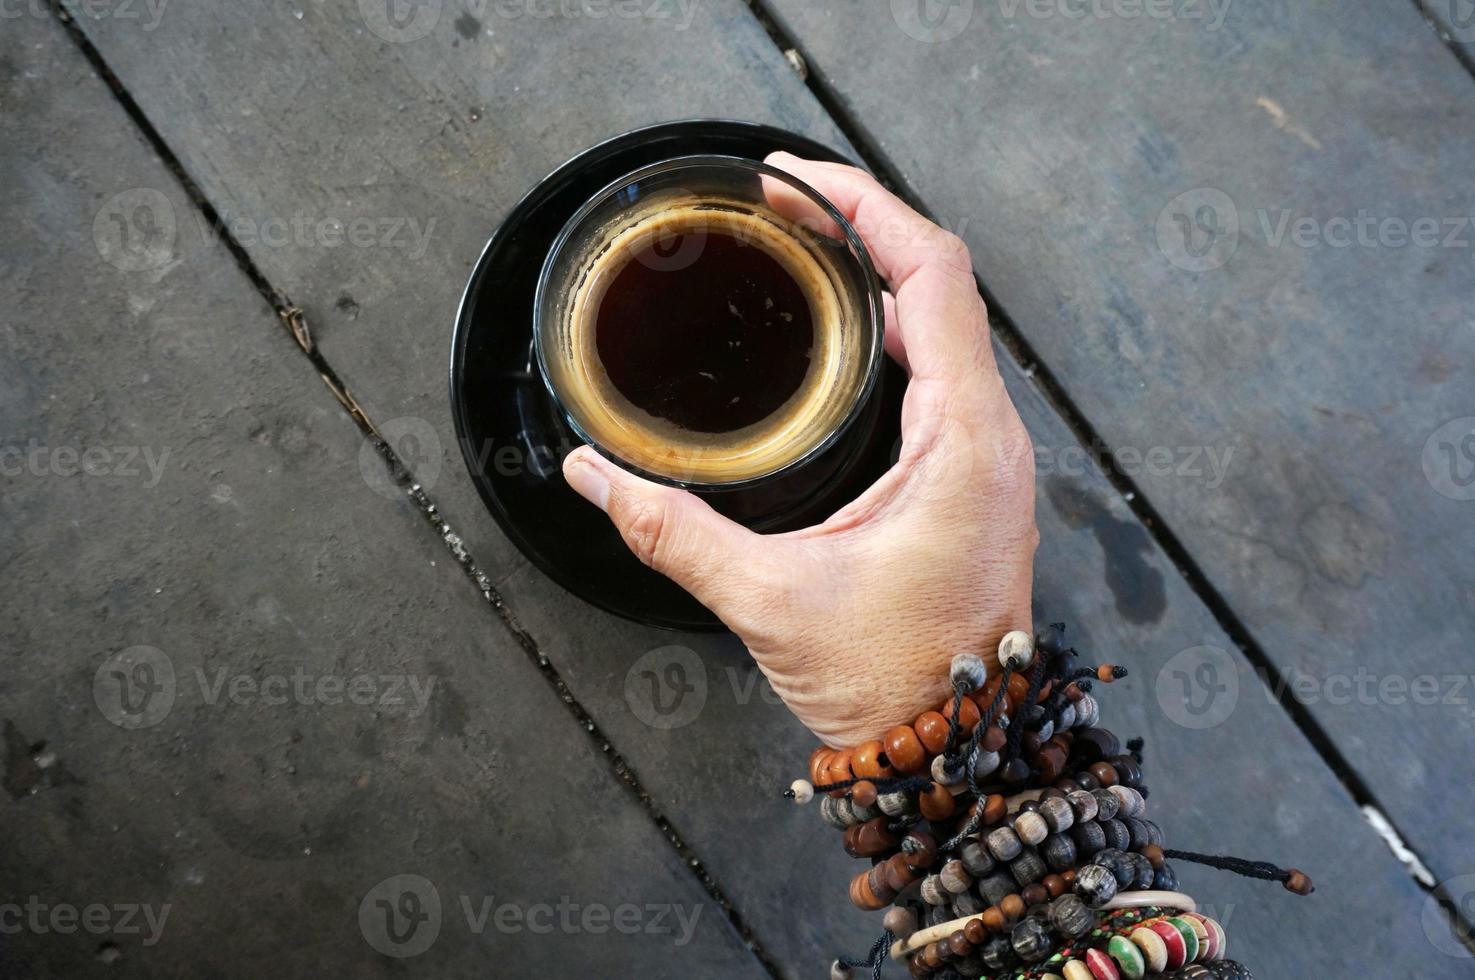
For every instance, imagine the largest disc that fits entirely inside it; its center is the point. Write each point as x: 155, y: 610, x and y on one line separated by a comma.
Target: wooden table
x: 1228, y: 252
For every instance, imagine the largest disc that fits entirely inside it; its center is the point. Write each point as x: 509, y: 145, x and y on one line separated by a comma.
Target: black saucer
x: 514, y: 438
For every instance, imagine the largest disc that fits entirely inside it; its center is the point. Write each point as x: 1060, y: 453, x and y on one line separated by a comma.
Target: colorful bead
x: 1202, y: 934
x: 1077, y: 970
x: 869, y: 761
x: 1173, y: 940
x: 1154, y: 950
x: 1128, y: 957
x: 1101, y: 965
x: 1190, y: 937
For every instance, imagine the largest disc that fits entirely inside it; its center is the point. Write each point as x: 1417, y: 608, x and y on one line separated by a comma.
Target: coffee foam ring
x: 656, y: 445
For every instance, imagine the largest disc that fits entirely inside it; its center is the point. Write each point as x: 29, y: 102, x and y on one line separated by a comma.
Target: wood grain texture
x: 222, y: 520
x: 1325, y: 350
x: 558, y: 86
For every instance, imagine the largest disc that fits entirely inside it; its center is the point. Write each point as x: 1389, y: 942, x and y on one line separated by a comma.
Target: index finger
x: 939, y: 312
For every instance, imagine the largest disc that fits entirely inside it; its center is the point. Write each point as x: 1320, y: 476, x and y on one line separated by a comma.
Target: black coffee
x: 712, y: 344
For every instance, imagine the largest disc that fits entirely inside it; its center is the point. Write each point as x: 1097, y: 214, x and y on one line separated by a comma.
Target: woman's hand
x: 855, y: 621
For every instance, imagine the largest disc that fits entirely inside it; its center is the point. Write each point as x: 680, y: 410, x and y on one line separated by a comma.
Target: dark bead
x: 1116, y: 834
x: 998, y: 953
x: 1108, y: 804
x: 1059, y: 852
x: 967, y: 904
x: 1031, y: 940
x: 1029, y: 806
x: 996, y: 887
x: 971, y: 965
x: 959, y: 944
x: 976, y: 931
x: 1051, y: 793
x: 900, y: 922
x: 1015, y: 771
x: 1087, y: 782
x: 1154, y: 832
x: 936, y: 915
x: 1164, y: 879
x: 1095, y: 744
x: 976, y: 858
x: 1137, y: 831
x: 1028, y: 868
x: 1070, y: 916
x: 1129, y: 773
x: 1145, y: 872
x: 1095, y: 885
x: 1067, y: 786
x: 1089, y: 838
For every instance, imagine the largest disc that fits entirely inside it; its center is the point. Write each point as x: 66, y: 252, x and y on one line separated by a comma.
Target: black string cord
x: 1293, y: 879
x: 875, y: 959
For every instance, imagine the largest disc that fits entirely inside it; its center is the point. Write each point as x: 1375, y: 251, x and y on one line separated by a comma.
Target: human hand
x: 854, y: 621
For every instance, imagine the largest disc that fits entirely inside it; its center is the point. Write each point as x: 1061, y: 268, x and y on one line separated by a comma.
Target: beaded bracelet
x: 1011, y: 820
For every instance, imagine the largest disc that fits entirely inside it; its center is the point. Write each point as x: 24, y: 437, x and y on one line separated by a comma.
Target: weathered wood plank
x: 718, y: 776
x: 1326, y: 343
x: 241, y: 544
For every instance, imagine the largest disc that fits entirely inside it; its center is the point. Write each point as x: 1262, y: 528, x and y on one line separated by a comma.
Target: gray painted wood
x: 243, y: 544
x: 718, y: 776
x: 1061, y: 147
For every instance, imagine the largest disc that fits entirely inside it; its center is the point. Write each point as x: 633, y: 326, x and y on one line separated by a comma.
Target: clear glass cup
x: 680, y: 202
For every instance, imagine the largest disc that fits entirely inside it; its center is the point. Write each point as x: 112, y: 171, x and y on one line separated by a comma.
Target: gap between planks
x: 296, y: 325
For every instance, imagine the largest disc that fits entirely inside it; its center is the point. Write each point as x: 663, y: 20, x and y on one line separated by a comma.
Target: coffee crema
x: 706, y: 342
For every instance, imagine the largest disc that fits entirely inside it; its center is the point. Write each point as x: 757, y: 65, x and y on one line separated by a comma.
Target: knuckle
x: 644, y: 527
x: 954, y: 251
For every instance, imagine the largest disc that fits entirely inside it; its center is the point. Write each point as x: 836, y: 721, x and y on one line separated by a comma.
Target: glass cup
x: 663, y: 216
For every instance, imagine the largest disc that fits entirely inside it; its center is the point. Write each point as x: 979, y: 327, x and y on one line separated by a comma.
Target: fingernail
x: 587, y: 479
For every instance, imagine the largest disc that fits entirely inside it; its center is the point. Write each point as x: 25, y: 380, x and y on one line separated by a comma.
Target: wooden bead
x: 904, y: 750
x: 955, y: 878
x: 1201, y: 934
x: 1299, y: 882
x: 870, y: 839
x: 1077, y: 970
x: 1154, y: 855
x: 1115, y: 833
x: 1055, y: 885
x: 1031, y: 940
x: 819, y: 762
x: 1031, y: 828
x: 1069, y: 874
x: 1101, y: 965
x: 869, y: 761
x: 1034, y: 894
x: 1004, y: 844
x: 967, y: 670
x: 967, y: 714
x: 943, y: 773
x: 1151, y: 946
x: 1028, y: 868
x: 967, y: 904
x: 932, y: 892
x: 919, y: 849
x: 1012, y: 907
x: 1095, y: 885
x: 1070, y: 916
x: 917, y: 968
x: 995, y: 809
x: 996, y: 887
x: 976, y: 858
x: 838, y: 770
x: 993, y: 919
x: 900, y: 922
x: 1084, y: 805
x: 932, y: 729
x: 1016, y: 692
x: 959, y: 945
x: 1172, y: 939
x: 896, y: 873
x: 1059, y: 852
x: 1107, y: 804
x: 976, y: 931
x: 1050, y: 761
x: 863, y: 793
x: 1015, y: 771
x: 1057, y: 813
x: 1127, y: 956
x: 1104, y: 773
x: 937, y: 803
x: 895, y: 804
x: 1190, y: 937
x: 862, y: 896
x: 802, y: 791
x: 1132, y: 803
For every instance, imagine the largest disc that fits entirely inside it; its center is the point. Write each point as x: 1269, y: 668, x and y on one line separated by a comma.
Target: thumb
x: 674, y: 532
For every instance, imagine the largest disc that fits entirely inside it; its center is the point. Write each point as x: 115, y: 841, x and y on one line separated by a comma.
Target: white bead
x: 1016, y: 650
x: 940, y: 773
x: 968, y: 670
x: 803, y: 791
